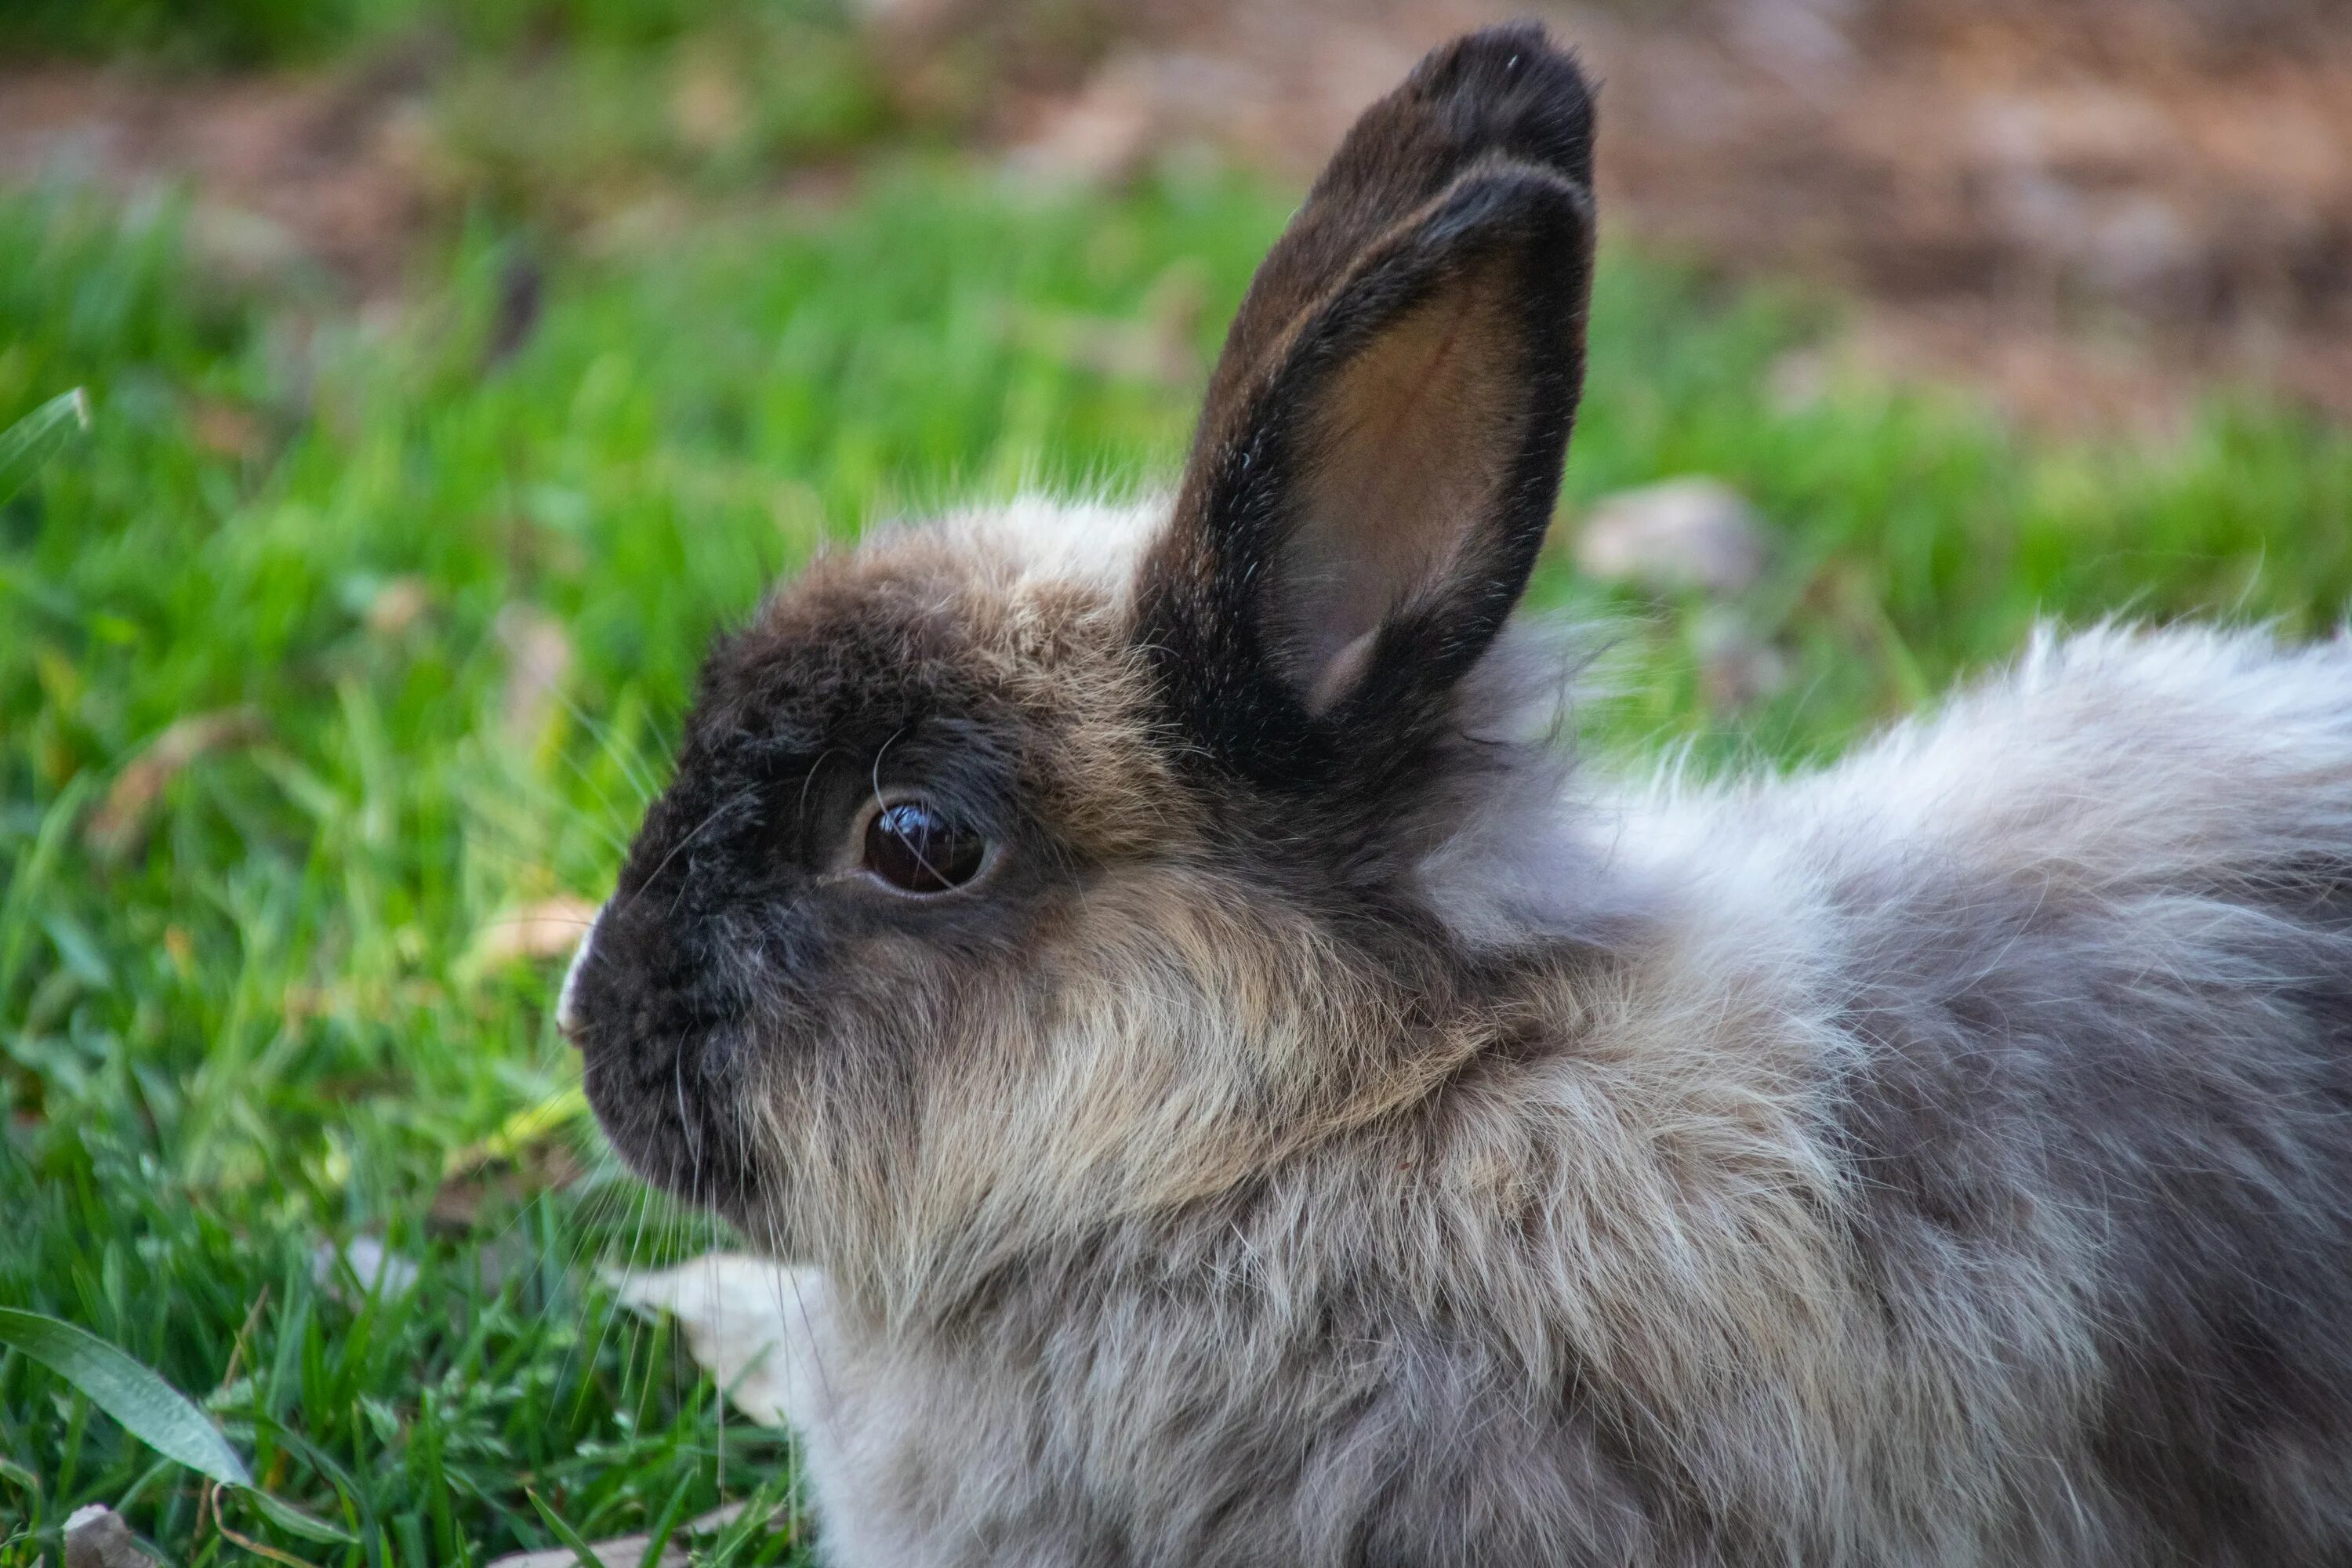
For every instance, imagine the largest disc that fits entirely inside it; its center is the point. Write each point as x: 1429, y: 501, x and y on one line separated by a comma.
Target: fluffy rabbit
x: 1231, y: 1100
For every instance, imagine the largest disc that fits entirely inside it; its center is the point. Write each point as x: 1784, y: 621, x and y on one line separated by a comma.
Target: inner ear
x: 1405, y: 452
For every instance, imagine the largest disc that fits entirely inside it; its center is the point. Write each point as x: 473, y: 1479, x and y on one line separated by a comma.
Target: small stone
x: 96, y: 1536
x: 1799, y: 381
x: 1679, y: 534
x: 377, y: 1269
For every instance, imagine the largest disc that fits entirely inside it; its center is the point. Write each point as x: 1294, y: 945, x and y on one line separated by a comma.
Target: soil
x: 316, y: 169
x: 2092, y: 209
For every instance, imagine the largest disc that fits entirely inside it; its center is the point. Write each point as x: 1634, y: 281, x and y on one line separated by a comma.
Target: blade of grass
x: 563, y: 1533
x: 294, y: 1522
x: 25, y: 883
x: 34, y: 440
x: 667, y: 1525
x: 149, y: 1408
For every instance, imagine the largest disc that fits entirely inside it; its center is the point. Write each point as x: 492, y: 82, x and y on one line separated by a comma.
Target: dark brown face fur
x: 739, y: 936
x: 1206, y: 774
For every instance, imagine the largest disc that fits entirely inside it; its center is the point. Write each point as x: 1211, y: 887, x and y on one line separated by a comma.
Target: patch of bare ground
x: 2089, y: 206
x: 2091, y: 209
x: 324, y: 168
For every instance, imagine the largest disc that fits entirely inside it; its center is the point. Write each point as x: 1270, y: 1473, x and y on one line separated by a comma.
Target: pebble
x: 1681, y: 534
x: 96, y: 1536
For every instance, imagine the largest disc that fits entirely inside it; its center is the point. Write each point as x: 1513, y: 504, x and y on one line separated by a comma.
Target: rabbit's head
x: 1046, y: 866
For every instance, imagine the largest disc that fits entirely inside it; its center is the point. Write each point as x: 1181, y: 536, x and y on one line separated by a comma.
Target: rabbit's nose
x: 567, y: 1001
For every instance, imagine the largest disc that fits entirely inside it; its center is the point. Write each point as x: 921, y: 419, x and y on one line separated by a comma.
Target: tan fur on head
x: 1237, y: 1099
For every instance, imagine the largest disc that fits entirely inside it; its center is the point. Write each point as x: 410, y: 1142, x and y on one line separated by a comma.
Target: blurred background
x: 2087, y: 205
x: 397, y: 394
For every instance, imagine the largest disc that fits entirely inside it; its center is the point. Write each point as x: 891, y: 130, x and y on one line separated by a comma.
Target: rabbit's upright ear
x: 1381, y: 447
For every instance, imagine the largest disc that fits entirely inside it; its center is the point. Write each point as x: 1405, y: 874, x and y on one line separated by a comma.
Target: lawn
x: 424, y: 597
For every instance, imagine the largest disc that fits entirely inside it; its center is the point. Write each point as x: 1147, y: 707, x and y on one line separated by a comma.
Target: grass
x: 265, y: 1010
x: 184, y: 33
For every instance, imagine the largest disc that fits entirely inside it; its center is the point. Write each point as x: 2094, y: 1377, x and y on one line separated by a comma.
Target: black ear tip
x: 1511, y: 90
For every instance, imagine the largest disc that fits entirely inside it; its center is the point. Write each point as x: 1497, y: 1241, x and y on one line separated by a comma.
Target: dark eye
x: 914, y: 849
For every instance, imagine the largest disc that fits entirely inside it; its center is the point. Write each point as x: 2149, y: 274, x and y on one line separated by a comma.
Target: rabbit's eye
x: 914, y: 849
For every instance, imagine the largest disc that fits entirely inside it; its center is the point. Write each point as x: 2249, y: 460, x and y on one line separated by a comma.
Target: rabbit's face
x: 935, y: 927
x: 898, y: 789
x: 1046, y: 866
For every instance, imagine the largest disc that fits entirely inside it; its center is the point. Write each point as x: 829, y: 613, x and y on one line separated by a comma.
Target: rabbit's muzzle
x: 661, y: 1047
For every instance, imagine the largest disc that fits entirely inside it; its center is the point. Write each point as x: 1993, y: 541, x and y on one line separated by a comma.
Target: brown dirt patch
x: 317, y: 169
x: 2091, y: 208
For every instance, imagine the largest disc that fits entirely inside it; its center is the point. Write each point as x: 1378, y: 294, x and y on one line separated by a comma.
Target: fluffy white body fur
x: 1938, y: 1419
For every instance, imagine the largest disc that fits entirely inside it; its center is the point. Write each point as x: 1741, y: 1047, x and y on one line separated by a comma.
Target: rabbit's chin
x: 670, y: 1120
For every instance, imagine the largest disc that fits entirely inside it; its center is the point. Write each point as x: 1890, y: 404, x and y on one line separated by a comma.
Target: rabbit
x: 1230, y: 1092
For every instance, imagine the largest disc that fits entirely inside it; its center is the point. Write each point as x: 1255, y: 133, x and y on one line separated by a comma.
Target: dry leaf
x: 115, y: 828
x: 458, y: 1202
x: 736, y: 1311
x: 538, y: 656
x: 707, y: 106
x: 629, y: 1550
x: 398, y: 606
x: 524, y: 1157
x: 226, y: 429
x: 548, y: 929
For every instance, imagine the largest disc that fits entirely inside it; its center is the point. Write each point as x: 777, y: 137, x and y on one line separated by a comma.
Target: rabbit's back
x: 2085, y: 944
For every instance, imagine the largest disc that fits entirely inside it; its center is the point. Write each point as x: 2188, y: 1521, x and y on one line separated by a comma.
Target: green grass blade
x: 667, y: 1525
x: 26, y: 880
x: 294, y: 1522
x: 32, y: 440
x: 149, y: 1408
x: 564, y: 1532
